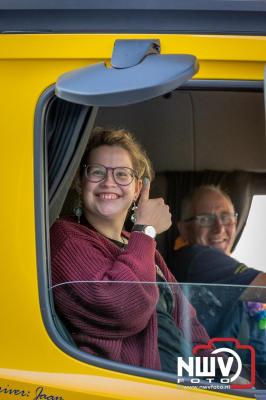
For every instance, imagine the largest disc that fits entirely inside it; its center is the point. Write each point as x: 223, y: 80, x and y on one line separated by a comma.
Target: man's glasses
x: 207, y: 220
x: 97, y: 173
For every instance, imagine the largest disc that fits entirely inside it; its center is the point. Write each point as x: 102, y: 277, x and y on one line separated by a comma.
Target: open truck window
x: 181, y: 117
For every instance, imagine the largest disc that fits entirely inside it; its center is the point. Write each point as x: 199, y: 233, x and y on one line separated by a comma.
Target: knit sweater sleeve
x: 96, y: 282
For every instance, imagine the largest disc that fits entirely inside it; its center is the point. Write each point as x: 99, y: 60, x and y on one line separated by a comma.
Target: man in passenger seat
x: 202, y: 255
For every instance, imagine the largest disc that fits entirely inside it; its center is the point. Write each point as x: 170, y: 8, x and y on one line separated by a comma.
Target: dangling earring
x: 133, y: 215
x: 78, y: 210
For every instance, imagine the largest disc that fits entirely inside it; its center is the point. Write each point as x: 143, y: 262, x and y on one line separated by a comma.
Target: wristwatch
x: 149, y: 230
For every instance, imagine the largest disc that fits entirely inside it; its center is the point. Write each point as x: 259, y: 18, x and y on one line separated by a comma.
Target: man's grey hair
x: 188, y: 201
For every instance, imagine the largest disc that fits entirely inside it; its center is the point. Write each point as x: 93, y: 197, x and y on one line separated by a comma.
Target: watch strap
x: 148, y: 230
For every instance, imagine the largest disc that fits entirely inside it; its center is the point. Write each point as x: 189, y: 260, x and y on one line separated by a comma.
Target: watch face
x: 150, y: 231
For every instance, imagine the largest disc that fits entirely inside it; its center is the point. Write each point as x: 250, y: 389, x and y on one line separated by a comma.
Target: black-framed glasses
x: 207, y: 220
x: 122, y: 175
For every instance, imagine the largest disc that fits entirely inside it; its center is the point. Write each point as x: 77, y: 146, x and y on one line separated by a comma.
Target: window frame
x: 43, y: 244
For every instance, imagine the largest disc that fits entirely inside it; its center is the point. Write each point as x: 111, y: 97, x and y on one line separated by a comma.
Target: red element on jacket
x: 102, y: 295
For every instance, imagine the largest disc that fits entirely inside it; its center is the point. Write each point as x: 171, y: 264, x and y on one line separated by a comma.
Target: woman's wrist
x: 148, y: 230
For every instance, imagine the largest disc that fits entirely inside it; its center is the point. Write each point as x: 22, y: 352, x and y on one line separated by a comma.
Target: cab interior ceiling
x: 199, y: 130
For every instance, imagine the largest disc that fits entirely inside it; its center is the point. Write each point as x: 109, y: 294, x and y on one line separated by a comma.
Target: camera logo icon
x: 222, y: 365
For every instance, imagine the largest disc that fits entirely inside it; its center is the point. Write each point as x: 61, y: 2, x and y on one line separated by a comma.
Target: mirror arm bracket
x: 128, y: 53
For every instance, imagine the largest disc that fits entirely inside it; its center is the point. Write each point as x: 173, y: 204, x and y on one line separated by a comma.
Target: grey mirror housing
x: 152, y: 76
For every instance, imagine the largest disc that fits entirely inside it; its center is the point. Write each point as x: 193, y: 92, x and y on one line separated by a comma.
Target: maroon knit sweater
x: 114, y: 314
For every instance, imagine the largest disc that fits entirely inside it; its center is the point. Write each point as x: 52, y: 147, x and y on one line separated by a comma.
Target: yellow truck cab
x: 187, y: 77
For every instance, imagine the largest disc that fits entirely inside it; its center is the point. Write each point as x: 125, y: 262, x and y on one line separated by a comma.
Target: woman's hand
x: 152, y: 211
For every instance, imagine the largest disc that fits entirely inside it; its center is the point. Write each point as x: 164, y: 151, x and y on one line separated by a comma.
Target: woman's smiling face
x: 107, y: 199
